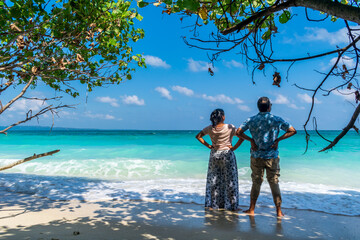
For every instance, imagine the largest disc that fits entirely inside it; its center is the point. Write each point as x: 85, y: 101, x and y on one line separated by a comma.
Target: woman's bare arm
x: 240, y: 133
x: 200, y: 136
x: 238, y: 143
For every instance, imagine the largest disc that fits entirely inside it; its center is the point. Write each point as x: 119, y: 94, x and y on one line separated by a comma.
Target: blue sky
x: 175, y: 91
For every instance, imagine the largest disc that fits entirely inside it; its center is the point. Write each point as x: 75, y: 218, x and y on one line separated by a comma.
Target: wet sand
x: 38, y: 218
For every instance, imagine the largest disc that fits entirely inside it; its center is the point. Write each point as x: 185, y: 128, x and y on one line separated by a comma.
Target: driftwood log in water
x: 35, y: 156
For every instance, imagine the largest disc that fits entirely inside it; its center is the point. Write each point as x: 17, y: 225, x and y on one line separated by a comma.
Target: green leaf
x: 266, y: 35
x: 136, y: 58
x: 191, y: 5
x: 142, y: 4
x: 284, y: 17
x: 271, y: 2
x: 139, y: 17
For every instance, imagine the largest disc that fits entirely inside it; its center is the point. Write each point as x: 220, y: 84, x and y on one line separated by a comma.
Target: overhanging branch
x: 30, y: 116
x: 345, y: 130
x: 35, y: 156
x: 18, y: 96
x: 334, y: 8
x: 266, y: 12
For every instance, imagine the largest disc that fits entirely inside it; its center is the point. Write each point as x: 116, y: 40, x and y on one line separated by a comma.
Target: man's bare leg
x: 279, y: 212
x: 251, y: 210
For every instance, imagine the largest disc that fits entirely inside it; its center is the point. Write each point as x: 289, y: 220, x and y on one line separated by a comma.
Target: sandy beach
x: 28, y: 217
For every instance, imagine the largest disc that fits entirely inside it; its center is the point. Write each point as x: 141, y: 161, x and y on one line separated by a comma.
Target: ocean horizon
x: 171, y: 166
x: 49, y: 128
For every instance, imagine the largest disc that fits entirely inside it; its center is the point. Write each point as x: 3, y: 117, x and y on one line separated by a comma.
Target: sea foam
x: 172, y: 166
x: 315, y: 197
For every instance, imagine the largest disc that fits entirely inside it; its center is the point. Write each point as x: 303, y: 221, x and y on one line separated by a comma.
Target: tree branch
x: 345, y: 130
x: 18, y: 96
x: 35, y: 156
x: 310, y: 57
x: 334, y: 8
x: 266, y: 12
x: 41, y: 112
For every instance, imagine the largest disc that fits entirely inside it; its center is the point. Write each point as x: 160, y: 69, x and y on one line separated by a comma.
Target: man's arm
x: 290, y: 132
x: 240, y: 133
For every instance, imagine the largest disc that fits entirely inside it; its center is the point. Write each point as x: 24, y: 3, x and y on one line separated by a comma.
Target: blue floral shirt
x: 264, y: 128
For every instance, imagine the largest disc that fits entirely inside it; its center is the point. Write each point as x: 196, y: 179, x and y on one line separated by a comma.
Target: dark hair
x: 263, y: 104
x: 216, y: 116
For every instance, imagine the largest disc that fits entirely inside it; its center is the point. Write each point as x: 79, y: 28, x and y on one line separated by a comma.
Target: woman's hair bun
x: 216, y: 116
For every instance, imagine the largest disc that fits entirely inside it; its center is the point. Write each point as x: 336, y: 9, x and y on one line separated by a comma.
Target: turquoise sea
x: 171, y: 166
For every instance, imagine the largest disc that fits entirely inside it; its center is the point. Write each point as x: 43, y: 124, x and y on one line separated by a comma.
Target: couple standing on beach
x: 222, y: 189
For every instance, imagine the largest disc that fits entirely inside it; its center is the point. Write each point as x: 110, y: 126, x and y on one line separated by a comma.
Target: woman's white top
x: 221, y: 137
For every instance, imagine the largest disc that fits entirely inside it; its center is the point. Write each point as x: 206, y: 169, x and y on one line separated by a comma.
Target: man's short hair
x: 263, y: 104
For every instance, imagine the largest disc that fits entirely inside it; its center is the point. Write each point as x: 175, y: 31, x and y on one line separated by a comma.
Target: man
x: 264, y: 128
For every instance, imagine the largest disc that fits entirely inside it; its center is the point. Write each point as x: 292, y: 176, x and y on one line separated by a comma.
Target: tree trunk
x: 343, y: 11
x: 334, y: 8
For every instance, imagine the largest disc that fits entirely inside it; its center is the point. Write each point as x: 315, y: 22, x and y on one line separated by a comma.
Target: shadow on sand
x: 136, y: 219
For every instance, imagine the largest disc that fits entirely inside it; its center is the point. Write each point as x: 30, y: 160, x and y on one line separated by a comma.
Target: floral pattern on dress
x: 222, y: 188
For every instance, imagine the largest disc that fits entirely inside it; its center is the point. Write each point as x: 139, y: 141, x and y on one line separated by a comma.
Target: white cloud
x: 199, y: 66
x: 201, y: 118
x: 183, y: 90
x: 67, y: 114
x: 222, y: 99
x: 155, y: 61
x: 134, y: 100
x: 233, y: 63
x: 108, y: 116
x: 345, y: 60
x: 322, y: 34
x: 244, y: 108
x: 111, y: 101
x: 100, y: 116
x: 281, y: 99
x: 24, y: 105
x: 346, y: 94
x: 307, y: 98
x: 46, y: 115
x: 164, y: 92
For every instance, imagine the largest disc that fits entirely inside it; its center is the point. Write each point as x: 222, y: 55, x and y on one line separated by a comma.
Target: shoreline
x: 16, y: 188
x: 40, y: 218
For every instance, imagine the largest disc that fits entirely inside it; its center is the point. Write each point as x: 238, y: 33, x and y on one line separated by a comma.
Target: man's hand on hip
x: 254, y: 147
x: 275, y: 145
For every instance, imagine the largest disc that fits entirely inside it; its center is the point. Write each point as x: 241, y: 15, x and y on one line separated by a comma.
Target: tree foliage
x: 64, y: 42
x: 248, y: 26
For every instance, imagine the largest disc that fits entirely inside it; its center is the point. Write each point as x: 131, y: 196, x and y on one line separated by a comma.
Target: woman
x: 222, y: 178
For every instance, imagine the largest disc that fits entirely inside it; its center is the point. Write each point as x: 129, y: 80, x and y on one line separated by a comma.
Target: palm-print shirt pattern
x: 264, y: 128
x: 221, y: 138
